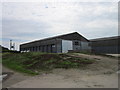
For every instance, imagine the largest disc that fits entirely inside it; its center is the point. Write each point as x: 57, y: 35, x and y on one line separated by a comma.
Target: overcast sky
x: 25, y: 21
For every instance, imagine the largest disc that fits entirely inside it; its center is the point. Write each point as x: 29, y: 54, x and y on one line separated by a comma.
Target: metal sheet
x: 85, y: 46
x: 66, y: 45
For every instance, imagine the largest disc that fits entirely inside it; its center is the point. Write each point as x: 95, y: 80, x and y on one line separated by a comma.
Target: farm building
x: 58, y: 44
x: 3, y: 49
x: 107, y: 45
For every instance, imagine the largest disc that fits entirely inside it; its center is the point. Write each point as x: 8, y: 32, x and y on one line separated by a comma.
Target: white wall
x: 66, y: 45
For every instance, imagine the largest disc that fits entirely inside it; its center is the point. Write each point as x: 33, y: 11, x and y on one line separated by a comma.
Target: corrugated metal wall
x: 106, y: 49
x: 43, y: 46
x: 108, y: 46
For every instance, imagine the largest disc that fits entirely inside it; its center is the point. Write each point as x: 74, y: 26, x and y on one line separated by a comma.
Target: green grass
x: 14, y: 62
x: 18, y: 67
x: 31, y: 61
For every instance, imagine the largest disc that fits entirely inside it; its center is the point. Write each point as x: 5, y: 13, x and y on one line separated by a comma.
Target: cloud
x: 0, y: 22
x: 23, y: 29
x: 60, y: 0
x: 30, y: 21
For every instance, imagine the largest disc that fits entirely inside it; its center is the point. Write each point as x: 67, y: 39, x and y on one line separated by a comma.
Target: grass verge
x: 31, y: 61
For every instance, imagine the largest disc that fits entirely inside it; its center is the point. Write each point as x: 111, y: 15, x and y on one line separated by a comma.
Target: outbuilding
x: 108, y: 45
x: 58, y: 44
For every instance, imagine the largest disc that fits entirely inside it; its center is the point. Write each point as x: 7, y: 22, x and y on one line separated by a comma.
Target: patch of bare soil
x: 13, y: 77
x: 101, y: 74
x: 102, y: 65
x: 71, y: 78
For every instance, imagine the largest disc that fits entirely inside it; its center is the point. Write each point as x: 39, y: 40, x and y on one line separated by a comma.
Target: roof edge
x: 55, y: 37
x: 105, y: 38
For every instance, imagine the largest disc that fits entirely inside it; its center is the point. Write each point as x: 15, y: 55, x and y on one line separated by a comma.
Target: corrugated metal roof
x: 105, y: 38
x: 59, y: 36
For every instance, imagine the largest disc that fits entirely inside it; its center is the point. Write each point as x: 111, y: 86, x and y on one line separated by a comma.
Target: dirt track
x: 101, y: 74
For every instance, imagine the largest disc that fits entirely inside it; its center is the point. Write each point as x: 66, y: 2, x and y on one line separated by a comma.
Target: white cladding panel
x: 66, y: 45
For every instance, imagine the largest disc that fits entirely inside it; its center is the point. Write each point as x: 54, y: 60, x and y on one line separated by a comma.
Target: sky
x: 29, y: 21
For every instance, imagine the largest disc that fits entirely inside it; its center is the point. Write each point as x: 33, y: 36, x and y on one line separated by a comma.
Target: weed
x: 31, y: 61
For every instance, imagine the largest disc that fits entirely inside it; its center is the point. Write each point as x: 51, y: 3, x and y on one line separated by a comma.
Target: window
x: 76, y: 43
x: 53, y: 45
